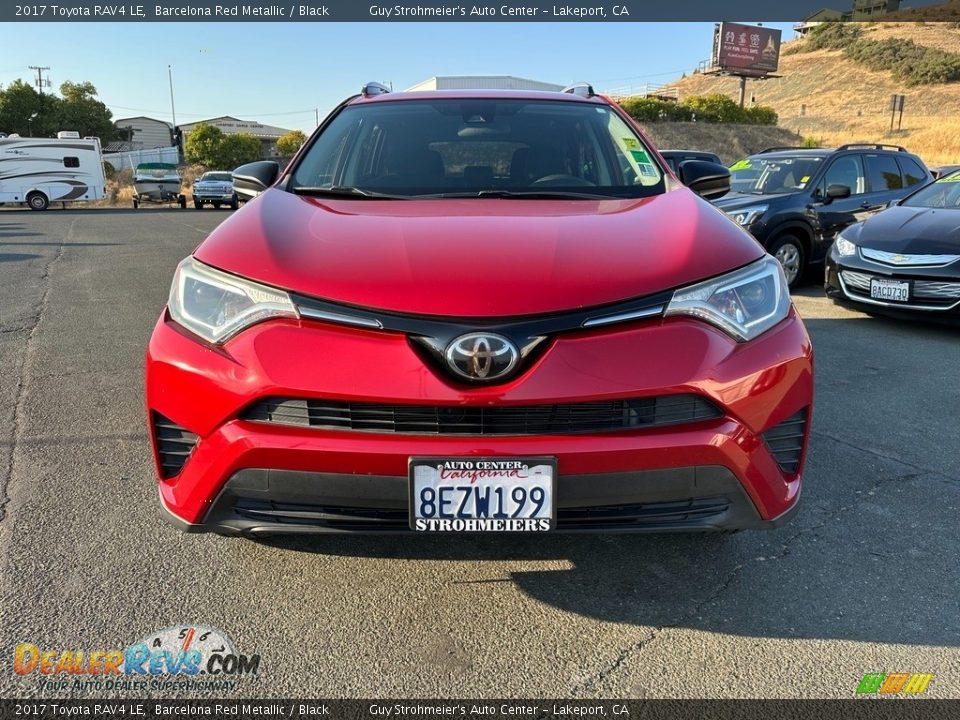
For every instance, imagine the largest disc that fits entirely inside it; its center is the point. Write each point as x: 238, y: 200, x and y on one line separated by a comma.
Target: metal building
x: 144, y: 133
x: 266, y: 134
x: 483, y: 82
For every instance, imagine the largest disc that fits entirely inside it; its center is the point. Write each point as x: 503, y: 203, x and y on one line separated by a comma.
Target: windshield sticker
x: 804, y: 180
x: 640, y: 156
x: 630, y: 142
x: 741, y: 165
x: 648, y: 170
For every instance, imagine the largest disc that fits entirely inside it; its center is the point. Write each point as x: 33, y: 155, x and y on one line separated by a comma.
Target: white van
x: 39, y: 171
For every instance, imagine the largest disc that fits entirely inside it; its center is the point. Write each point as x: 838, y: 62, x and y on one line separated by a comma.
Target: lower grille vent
x: 786, y: 441
x: 586, y: 417
x: 174, y: 445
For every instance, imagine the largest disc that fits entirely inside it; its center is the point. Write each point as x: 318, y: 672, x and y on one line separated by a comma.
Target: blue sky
x: 280, y: 73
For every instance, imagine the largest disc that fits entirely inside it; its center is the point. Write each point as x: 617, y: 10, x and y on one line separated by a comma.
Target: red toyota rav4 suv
x: 478, y: 311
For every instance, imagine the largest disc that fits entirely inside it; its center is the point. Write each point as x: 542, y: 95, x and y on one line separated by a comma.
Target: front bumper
x: 245, y: 476
x: 208, y: 195
x: 934, y: 291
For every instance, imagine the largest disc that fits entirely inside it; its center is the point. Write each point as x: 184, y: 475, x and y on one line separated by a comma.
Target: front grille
x: 584, y: 417
x: 174, y: 445
x: 931, y: 292
x: 785, y: 441
x: 653, y: 514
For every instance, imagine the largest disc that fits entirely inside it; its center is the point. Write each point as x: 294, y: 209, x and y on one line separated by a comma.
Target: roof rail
x: 582, y: 89
x: 783, y: 147
x: 871, y: 146
x: 374, y: 88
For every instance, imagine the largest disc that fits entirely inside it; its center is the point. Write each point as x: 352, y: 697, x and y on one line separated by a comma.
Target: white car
x: 215, y: 188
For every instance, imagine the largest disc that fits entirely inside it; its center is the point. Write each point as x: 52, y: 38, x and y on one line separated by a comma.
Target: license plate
x: 483, y: 494
x: 895, y: 290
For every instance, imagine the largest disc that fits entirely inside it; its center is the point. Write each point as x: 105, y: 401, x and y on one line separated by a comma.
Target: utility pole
x: 173, y: 111
x: 41, y: 83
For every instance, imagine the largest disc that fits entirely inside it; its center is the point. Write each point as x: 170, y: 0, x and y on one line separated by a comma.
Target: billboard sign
x: 746, y: 49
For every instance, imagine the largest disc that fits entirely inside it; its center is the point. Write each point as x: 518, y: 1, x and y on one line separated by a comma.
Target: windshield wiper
x: 522, y: 195
x: 337, y: 191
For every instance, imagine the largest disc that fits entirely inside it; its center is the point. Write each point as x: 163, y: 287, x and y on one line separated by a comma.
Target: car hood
x: 737, y: 201
x: 478, y: 257
x: 907, y: 230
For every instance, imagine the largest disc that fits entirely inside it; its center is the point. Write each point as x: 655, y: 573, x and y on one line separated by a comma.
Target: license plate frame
x: 896, y: 291
x: 543, y: 521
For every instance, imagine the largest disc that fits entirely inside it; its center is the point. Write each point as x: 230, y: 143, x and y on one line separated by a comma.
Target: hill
x: 833, y: 99
x: 730, y: 142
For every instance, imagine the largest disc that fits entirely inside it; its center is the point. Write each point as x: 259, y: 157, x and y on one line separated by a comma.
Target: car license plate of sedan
x: 483, y: 494
x: 893, y: 290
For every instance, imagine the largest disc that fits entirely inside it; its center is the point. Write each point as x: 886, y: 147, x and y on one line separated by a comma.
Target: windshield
x: 451, y: 147
x: 217, y: 176
x: 758, y: 175
x: 944, y: 193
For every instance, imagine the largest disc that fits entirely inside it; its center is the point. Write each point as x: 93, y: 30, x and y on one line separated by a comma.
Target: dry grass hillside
x: 730, y: 142
x: 846, y: 102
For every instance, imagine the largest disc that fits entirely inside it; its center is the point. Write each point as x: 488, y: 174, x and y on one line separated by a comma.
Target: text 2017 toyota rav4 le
x: 466, y: 311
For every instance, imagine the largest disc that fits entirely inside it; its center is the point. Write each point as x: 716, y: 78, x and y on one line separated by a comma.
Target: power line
x: 640, y: 77
x: 194, y: 114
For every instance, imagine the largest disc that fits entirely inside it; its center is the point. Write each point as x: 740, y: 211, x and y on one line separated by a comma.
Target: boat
x: 157, y: 182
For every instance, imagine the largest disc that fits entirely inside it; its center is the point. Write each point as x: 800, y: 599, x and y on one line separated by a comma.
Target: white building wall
x: 147, y: 132
x: 483, y: 82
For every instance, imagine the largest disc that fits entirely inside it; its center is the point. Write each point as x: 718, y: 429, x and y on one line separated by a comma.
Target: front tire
x: 789, y: 252
x: 234, y: 203
x: 37, y: 201
x: 198, y: 205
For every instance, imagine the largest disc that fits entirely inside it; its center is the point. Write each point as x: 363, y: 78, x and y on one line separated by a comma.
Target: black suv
x: 796, y: 200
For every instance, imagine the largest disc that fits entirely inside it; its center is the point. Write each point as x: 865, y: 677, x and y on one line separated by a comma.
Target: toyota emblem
x: 482, y: 356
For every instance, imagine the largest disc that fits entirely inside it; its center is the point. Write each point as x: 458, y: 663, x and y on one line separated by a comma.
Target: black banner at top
x: 454, y: 11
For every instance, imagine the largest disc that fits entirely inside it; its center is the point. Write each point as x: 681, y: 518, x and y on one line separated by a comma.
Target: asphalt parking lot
x: 863, y: 580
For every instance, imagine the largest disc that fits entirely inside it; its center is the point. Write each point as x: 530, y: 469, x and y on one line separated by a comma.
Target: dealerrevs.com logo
x: 187, y: 658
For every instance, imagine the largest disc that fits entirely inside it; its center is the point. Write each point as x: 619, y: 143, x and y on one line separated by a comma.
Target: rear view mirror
x: 253, y: 178
x: 708, y: 179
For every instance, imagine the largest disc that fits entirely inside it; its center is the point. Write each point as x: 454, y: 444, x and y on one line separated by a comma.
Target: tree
x: 25, y: 111
x: 80, y: 110
x: 207, y: 145
x: 239, y: 149
x: 202, y: 146
x: 291, y: 142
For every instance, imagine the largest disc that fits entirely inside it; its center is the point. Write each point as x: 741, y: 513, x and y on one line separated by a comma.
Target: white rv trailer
x: 39, y: 171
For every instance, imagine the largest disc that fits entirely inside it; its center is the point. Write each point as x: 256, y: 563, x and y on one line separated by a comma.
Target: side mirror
x: 838, y: 192
x: 253, y: 178
x: 708, y: 179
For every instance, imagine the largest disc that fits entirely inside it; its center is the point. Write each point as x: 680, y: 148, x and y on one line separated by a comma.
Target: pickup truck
x: 215, y: 188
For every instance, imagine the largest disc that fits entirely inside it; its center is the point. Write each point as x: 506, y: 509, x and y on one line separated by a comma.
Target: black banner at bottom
x: 866, y: 708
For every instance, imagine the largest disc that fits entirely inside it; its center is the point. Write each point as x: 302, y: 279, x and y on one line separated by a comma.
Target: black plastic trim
x: 484, y: 421
x: 433, y: 333
x: 258, y: 501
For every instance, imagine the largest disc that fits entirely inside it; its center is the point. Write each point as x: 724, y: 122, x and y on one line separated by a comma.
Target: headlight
x: 748, y: 215
x: 216, y: 305
x: 845, y: 248
x: 744, y: 303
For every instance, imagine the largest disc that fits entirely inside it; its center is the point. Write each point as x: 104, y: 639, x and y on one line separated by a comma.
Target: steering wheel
x: 560, y: 179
